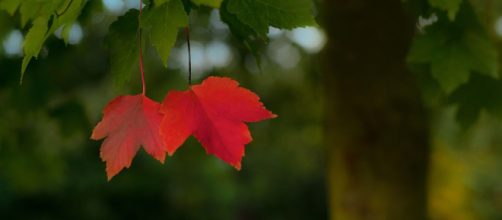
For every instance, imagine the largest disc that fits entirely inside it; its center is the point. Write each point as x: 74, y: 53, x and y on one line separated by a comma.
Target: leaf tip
x: 171, y: 150
x: 93, y: 136
x: 21, y: 77
x: 161, y: 158
x: 110, y: 173
x: 237, y: 166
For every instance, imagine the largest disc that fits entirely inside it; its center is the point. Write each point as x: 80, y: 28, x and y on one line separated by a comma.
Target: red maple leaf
x: 214, y: 112
x: 128, y: 122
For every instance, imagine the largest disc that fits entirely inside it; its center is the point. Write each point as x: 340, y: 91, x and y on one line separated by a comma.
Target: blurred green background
x: 50, y: 169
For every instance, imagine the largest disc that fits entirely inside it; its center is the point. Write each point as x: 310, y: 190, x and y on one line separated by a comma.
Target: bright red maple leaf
x: 214, y: 112
x: 129, y: 122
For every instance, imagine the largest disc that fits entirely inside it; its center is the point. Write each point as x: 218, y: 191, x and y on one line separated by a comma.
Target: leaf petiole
x: 141, y: 69
x: 187, y: 35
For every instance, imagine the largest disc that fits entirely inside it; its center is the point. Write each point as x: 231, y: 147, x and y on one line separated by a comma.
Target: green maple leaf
x: 454, y: 51
x: 42, y: 28
x: 123, y: 46
x: 260, y: 14
x: 161, y: 24
x: 480, y: 93
x: 33, y: 42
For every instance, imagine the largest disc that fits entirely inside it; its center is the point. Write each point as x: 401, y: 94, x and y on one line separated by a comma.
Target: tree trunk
x: 376, y: 129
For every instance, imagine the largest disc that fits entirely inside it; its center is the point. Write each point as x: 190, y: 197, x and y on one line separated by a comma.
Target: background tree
x: 377, y: 136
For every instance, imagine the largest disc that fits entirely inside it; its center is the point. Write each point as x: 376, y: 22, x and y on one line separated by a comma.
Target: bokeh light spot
x: 218, y: 54
x: 498, y: 26
x: 311, y: 39
x: 13, y: 43
x: 116, y: 7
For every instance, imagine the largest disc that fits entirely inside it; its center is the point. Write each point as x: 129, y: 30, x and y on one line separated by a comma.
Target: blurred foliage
x: 49, y: 169
x: 457, y: 60
x: 464, y: 180
x: 464, y: 177
x: 455, y: 49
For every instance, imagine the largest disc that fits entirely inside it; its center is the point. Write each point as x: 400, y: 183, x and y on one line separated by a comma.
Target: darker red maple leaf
x: 128, y: 122
x: 214, y: 112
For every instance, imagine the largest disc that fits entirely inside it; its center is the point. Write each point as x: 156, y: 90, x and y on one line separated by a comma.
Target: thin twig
x: 140, y: 48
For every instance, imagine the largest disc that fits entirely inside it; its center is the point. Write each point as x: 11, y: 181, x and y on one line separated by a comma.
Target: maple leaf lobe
x: 129, y: 122
x: 214, y: 112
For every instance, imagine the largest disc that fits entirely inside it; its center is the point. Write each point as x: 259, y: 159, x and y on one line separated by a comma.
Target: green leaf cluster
x: 453, y: 57
x: 45, y: 17
x: 463, y: 61
x: 260, y: 14
x: 455, y: 50
x: 480, y: 93
x: 248, y: 20
x: 252, y: 18
x: 160, y: 23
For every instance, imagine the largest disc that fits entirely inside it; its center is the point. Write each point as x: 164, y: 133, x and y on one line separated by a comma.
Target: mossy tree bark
x: 376, y: 129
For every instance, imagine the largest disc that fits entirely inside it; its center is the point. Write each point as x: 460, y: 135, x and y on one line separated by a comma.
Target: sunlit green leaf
x: 62, y: 12
x: 67, y: 15
x: 29, y: 10
x: 162, y: 23
x: 10, y: 5
x: 32, y: 9
x: 34, y: 41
